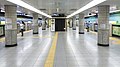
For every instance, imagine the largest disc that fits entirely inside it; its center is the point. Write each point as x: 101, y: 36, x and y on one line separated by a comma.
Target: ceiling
x: 60, y: 6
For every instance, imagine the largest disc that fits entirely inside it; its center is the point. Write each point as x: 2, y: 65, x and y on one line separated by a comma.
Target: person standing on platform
x: 87, y: 27
x: 22, y: 28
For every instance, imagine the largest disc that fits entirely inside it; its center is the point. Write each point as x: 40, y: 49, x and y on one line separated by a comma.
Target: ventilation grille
x: 43, y: 9
x: 73, y: 9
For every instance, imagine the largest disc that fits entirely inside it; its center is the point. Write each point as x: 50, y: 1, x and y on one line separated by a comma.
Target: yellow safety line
x: 38, y: 37
x: 94, y: 32
x: 50, y: 59
x: 2, y: 39
x: 116, y: 40
x: 24, y: 32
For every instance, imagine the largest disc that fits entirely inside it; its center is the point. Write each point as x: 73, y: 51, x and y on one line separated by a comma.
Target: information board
x: 8, y: 24
x: 116, y: 30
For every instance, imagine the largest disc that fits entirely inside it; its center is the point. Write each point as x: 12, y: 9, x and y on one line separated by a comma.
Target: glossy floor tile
x: 81, y: 50
x: 31, y: 51
x: 72, y: 50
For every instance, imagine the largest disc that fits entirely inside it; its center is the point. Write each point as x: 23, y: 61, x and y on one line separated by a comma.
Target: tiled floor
x: 72, y: 50
x: 31, y: 51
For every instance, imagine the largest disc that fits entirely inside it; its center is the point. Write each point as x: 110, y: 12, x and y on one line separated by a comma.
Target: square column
x: 35, y: 23
x: 74, y: 23
x: 43, y: 23
x: 81, y: 23
x: 70, y: 20
x: 10, y: 26
x: 47, y: 22
x: 103, y: 25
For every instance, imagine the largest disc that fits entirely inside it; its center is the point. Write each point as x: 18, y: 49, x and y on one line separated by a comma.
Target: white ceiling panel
x: 60, y: 6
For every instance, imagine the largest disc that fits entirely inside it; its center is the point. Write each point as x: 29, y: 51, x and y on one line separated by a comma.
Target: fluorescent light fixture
x: 114, y: 11
x: 27, y: 6
x: 89, y: 5
x: 19, y: 11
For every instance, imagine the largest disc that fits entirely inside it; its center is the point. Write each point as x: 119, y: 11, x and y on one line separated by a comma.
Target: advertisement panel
x: 116, y: 30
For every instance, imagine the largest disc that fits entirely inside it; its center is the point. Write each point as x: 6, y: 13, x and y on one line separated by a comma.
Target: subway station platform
x: 60, y: 49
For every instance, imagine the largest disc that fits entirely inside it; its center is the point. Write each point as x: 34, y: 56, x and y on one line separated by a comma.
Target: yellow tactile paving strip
x: 24, y: 32
x: 37, y: 37
x: 3, y: 38
x: 115, y: 40
x: 50, y: 59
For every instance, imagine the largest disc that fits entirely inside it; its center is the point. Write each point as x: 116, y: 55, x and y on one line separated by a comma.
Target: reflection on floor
x: 72, y: 50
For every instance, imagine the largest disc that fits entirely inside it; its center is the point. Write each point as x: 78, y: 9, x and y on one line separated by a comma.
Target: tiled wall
x: 113, y: 17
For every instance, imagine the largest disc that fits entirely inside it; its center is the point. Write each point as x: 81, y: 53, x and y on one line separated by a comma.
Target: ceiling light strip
x: 114, y: 11
x: 89, y: 5
x: 27, y: 6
